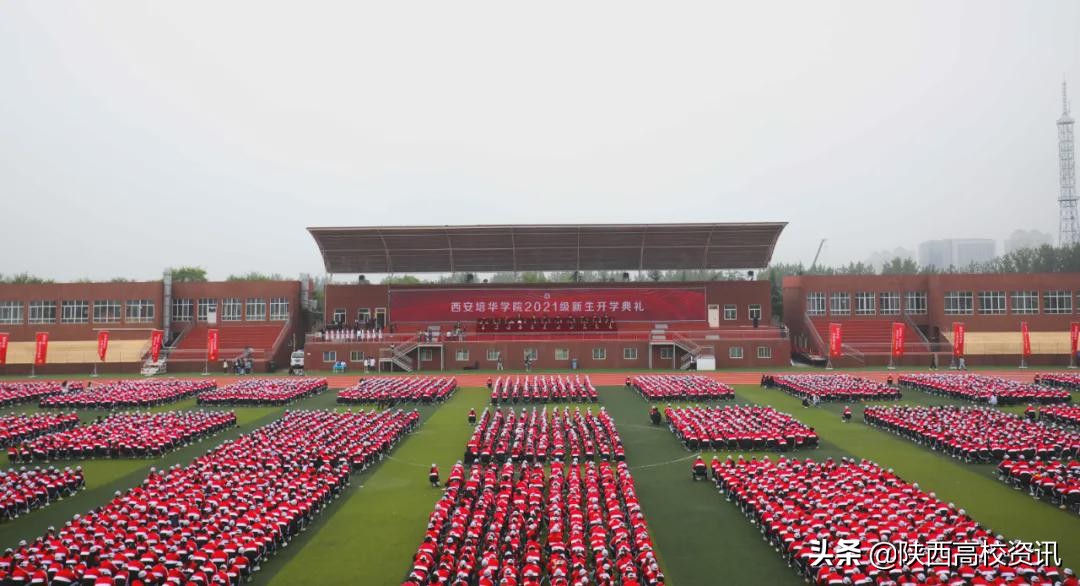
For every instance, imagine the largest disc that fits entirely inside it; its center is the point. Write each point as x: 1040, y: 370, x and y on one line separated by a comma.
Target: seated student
x: 847, y: 413
x: 654, y: 415
x: 698, y: 471
x: 433, y: 475
x: 472, y: 416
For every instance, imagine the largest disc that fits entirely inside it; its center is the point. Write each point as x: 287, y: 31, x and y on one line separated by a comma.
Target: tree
x: 900, y: 266
x: 256, y: 276
x: 188, y: 274
x: 24, y: 279
x: 401, y: 280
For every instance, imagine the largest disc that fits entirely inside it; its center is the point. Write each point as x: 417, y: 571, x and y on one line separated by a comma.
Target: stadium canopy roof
x: 555, y: 247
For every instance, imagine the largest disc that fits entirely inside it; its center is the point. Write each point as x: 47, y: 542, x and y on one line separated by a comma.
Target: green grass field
x: 368, y: 535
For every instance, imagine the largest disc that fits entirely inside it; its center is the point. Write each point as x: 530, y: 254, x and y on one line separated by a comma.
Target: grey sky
x: 135, y: 135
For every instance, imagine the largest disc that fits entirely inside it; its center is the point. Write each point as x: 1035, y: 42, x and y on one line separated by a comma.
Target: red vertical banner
x: 1074, y: 336
x: 836, y: 343
x: 898, y: 329
x: 41, y: 348
x: 102, y: 345
x: 958, y: 339
x: 156, y: 338
x: 212, y: 345
x: 1025, y: 334
x: 3, y: 348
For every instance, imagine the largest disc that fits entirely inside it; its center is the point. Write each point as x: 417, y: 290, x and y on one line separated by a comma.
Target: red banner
x: 102, y: 344
x: 626, y: 304
x: 836, y: 345
x: 156, y: 338
x: 3, y: 348
x: 1074, y: 336
x: 958, y: 338
x: 212, y: 345
x: 898, y: 339
x: 1026, y: 335
x: 41, y: 348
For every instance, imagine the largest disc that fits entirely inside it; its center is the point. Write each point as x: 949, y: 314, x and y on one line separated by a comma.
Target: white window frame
x: 461, y: 354
x: 1057, y: 302
x: 753, y: 310
x: 11, y: 312
x: 339, y: 316
x: 492, y: 354
x: 255, y: 306
x: 182, y: 310
x: 764, y: 352
x: 279, y: 309
x: 815, y: 303
x: 205, y: 303
x: 426, y: 355
x: 356, y: 356
x: 329, y: 356
x: 562, y: 354
x: 629, y: 353
x: 41, y: 312
x: 915, y: 302
x: 599, y: 353
x: 839, y: 303
x: 731, y: 312
x: 667, y: 353
x: 889, y: 303
x: 139, y: 311
x: 865, y: 303
x: 959, y: 303
x: 74, y: 311
x: 735, y: 352
x: 530, y: 354
x: 1024, y: 302
x: 232, y: 309
x: 992, y: 303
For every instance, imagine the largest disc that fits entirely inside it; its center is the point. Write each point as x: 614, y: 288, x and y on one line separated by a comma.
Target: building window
x: 1025, y: 302
x: 492, y: 355
x: 181, y: 310
x: 256, y: 309
x: 140, y: 311
x: 339, y: 316
x: 991, y: 302
x: 329, y: 356
x: 279, y: 309
x: 461, y: 355
x: 107, y: 311
x: 815, y: 304
x: 11, y: 312
x: 667, y: 353
x: 839, y: 303
x: 599, y: 353
x: 629, y: 353
x: 425, y: 355
x: 74, y: 312
x: 764, y: 352
x: 959, y: 303
x: 754, y: 311
x: 42, y: 312
x: 731, y: 312
x: 735, y: 352
x: 363, y: 314
x: 562, y: 354
x: 204, y: 308
x: 1057, y: 302
x: 864, y: 303
x: 915, y: 302
x: 531, y: 354
x: 890, y: 303
x: 356, y: 356
x: 231, y: 309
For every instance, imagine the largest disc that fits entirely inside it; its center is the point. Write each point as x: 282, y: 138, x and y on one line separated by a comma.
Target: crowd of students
x: 23, y: 490
x: 1056, y: 481
x: 127, y: 393
x: 352, y: 334
x: 833, y: 387
x: 537, y: 436
x: 679, y: 387
x: 984, y: 389
x: 125, y: 435
x: 976, y: 434
x: 264, y: 391
x: 15, y: 429
x: 392, y: 389
x: 1065, y: 380
x: 22, y: 392
x: 553, y: 388
x: 215, y: 520
x: 512, y: 525
x: 799, y: 503
x: 543, y: 323
x: 737, y: 427
x: 1062, y: 414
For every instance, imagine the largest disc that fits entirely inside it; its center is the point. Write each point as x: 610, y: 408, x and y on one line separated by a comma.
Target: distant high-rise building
x: 1027, y: 239
x: 958, y: 253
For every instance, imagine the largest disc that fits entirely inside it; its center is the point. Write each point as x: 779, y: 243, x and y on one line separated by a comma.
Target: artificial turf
x: 369, y: 535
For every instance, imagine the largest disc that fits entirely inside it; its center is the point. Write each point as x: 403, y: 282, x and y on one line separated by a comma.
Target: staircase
x: 660, y: 336
x: 399, y: 355
x: 151, y: 367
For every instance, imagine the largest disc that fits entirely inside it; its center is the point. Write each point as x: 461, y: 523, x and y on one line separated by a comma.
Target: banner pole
x: 33, y: 372
x: 892, y: 365
x: 94, y: 374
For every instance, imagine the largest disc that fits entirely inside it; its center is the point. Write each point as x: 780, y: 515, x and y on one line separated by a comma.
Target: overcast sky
x: 138, y: 135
